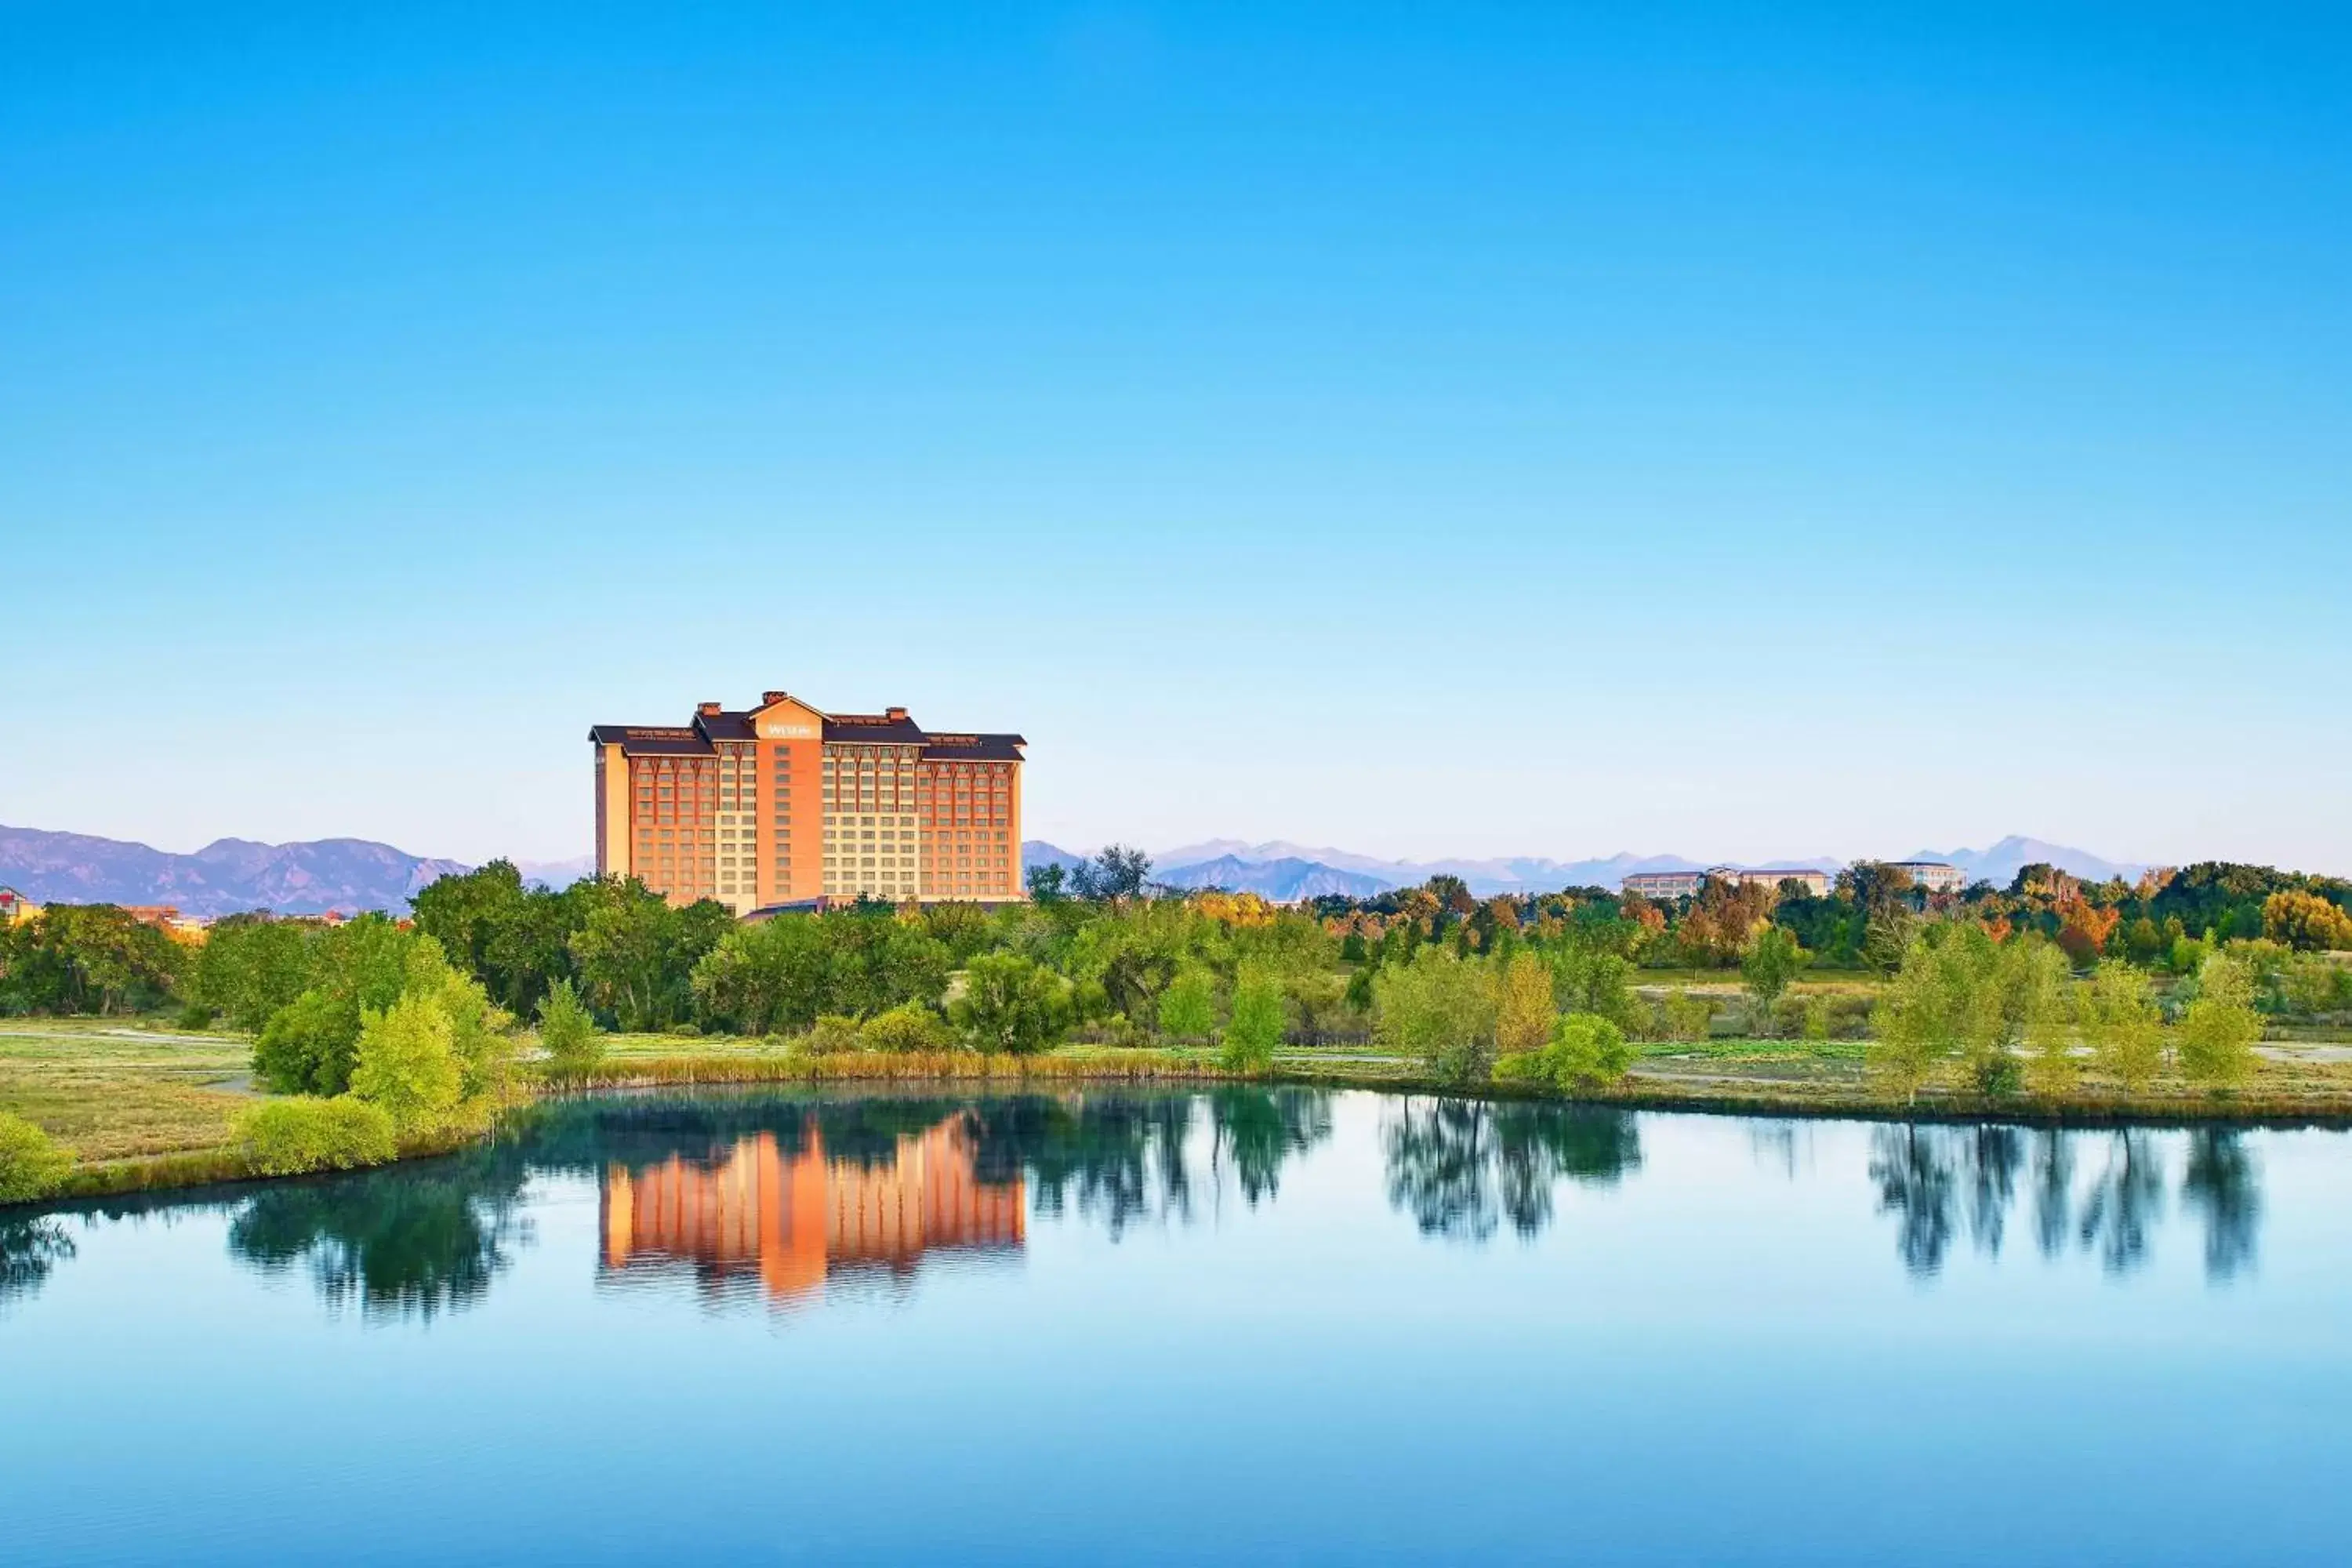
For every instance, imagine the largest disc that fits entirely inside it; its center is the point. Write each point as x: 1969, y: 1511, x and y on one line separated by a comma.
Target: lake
x: 1246, y: 1325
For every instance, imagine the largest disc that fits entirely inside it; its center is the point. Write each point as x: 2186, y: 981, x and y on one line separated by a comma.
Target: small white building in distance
x: 1935, y: 876
x: 1686, y: 884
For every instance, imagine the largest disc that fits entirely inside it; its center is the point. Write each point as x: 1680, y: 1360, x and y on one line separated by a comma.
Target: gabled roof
x: 726, y: 726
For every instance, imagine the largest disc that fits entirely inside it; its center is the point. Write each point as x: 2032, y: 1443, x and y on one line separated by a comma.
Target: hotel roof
x: 700, y: 738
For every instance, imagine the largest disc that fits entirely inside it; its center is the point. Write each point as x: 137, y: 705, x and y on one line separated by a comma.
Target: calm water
x: 1247, y: 1326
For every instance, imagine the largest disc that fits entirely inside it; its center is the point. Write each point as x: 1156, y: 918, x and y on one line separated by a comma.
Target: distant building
x: 1935, y: 876
x: 1664, y: 885
x: 15, y: 906
x: 1815, y: 882
x: 887, y: 808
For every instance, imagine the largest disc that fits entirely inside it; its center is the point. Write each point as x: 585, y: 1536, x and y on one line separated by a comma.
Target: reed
x: 881, y: 1067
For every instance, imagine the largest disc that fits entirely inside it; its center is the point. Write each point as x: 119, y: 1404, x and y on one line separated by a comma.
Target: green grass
x: 1750, y: 1050
x: 142, y: 1106
x: 109, y: 1089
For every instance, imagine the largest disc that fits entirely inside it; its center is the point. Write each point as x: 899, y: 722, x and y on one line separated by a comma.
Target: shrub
x: 305, y: 1048
x: 910, y: 1027
x: 1011, y: 1005
x: 31, y: 1166
x: 1586, y: 1051
x: 194, y: 1017
x: 567, y: 1030
x: 1793, y: 1017
x: 286, y: 1137
x: 1689, y: 1017
x: 835, y: 1033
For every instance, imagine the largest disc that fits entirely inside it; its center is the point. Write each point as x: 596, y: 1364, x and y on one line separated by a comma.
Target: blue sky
x: 1739, y: 430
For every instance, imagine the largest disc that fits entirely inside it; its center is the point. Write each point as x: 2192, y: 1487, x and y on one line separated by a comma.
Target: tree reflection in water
x: 1461, y: 1167
x: 2222, y: 1184
x: 2125, y: 1200
x: 1120, y: 1159
x: 1257, y: 1130
x: 1940, y: 1180
x: 410, y: 1240
x: 29, y: 1248
x: 2053, y: 1189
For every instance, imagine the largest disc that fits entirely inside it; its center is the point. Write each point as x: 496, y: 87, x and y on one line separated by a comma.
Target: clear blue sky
x: 1743, y: 430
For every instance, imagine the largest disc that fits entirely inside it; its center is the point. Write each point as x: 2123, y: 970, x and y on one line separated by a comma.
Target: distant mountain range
x: 228, y: 874
x: 1284, y: 880
x: 1999, y: 864
x: 1283, y: 870
x: 349, y: 875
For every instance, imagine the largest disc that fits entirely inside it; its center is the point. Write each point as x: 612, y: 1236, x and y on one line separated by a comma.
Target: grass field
x: 138, y: 1103
x: 115, y: 1090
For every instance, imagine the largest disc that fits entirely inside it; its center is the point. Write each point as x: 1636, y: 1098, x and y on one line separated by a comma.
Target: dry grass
x: 877, y: 1066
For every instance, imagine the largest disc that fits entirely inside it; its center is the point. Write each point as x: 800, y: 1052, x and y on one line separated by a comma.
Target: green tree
x: 622, y: 952
x: 1254, y: 1030
x: 251, y: 965
x: 88, y: 958
x: 567, y: 1030
x: 1944, y: 1001
x: 1590, y: 977
x: 480, y: 1035
x: 774, y: 977
x: 308, y: 1046
x: 1011, y: 1005
x: 1441, y: 1009
x: 2219, y: 1029
x: 407, y: 1062
x: 875, y: 963
x: 508, y: 936
x: 1771, y: 963
x: 2123, y: 1027
x: 2046, y: 1017
x: 1188, y: 1008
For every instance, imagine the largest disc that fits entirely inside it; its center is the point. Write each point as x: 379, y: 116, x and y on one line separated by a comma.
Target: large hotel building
x: 786, y: 804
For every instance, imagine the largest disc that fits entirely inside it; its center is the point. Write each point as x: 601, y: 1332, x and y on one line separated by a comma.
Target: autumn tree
x: 1524, y: 1008
x: 2305, y: 922
x: 2083, y: 929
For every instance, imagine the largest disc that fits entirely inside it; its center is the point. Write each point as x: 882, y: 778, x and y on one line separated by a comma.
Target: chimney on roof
x: 896, y: 715
x: 770, y: 699
x: 709, y: 710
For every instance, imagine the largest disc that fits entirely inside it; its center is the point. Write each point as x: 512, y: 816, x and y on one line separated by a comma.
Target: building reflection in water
x: 791, y: 1219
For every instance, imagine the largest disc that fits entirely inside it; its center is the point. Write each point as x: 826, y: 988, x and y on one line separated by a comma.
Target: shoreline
x: 1717, y: 1096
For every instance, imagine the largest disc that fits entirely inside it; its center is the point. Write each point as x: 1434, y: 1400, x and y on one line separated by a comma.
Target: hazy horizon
x: 1444, y: 434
